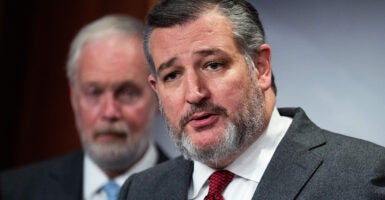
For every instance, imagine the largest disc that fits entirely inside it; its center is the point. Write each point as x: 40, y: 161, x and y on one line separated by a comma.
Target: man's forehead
x: 191, y: 38
x: 114, y: 85
x: 112, y: 75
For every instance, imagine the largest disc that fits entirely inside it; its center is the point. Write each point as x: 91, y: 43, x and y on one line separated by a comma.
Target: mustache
x: 118, y: 128
x: 203, y: 106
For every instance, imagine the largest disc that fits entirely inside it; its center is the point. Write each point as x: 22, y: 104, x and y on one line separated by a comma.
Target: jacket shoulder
x: 28, y: 181
x: 160, y: 182
x: 36, y: 169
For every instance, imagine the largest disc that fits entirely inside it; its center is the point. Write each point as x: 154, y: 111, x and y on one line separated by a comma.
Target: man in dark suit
x: 211, y: 70
x: 114, y: 107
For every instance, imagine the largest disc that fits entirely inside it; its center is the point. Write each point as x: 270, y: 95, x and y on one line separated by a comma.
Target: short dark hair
x: 248, y: 30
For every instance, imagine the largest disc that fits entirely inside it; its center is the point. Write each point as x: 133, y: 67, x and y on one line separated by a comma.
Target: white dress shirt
x: 94, y: 178
x: 248, y: 168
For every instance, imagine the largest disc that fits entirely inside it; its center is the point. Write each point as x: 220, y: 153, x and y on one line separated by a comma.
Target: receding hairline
x: 105, y: 26
x: 215, y: 9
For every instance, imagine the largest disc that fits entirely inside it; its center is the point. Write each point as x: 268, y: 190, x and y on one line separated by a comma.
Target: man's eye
x: 93, y: 92
x: 170, y: 76
x: 128, y: 94
x: 214, y: 65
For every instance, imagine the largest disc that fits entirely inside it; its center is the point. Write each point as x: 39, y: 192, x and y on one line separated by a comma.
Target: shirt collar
x: 94, y: 178
x: 261, y: 151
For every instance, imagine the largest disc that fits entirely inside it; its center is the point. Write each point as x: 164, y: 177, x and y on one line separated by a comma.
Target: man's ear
x: 262, y: 62
x: 152, y: 81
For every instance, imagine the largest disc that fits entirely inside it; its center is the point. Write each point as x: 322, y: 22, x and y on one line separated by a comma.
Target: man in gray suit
x: 211, y: 70
x: 114, y: 107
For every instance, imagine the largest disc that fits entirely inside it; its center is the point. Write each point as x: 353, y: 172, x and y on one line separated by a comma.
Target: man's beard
x: 119, y: 155
x: 241, y: 131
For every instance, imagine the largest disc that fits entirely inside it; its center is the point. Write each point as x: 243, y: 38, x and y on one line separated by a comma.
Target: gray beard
x: 118, y: 155
x: 113, y: 157
x: 227, y: 145
x: 247, y: 126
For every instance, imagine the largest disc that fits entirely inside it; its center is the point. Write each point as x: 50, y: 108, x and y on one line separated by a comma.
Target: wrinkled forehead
x: 119, y: 57
x: 211, y: 28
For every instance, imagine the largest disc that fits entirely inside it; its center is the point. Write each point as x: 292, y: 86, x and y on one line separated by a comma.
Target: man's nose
x: 111, y: 109
x: 196, y: 88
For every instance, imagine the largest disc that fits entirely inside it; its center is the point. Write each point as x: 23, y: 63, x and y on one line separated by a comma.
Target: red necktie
x: 218, y: 182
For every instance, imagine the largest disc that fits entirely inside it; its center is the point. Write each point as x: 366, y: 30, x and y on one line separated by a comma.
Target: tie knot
x: 218, y: 182
x: 112, y: 190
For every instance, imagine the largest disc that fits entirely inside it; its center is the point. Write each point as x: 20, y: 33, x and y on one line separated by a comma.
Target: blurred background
x: 37, y: 120
x: 327, y: 58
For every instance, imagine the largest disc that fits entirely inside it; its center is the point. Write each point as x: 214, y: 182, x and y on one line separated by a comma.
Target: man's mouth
x: 203, y: 119
x: 202, y: 116
x: 110, y: 136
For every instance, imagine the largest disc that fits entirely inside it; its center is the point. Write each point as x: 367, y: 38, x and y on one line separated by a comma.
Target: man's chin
x: 208, y: 155
x: 204, y: 146
x: 110, y: 155
x: 198, y: 151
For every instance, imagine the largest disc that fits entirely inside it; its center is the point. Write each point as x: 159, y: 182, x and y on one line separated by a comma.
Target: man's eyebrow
x: 166, y: 65
x: 89, y: 84
x: 125, y: 83
x: 203, y: 52
x: 128, y: 84
x: 209, y: 52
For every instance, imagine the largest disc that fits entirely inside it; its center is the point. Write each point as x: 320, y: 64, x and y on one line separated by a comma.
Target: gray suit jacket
x: 309, y: 163
x: 57, y: 179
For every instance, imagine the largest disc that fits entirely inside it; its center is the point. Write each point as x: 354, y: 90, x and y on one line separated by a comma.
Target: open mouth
x: 201, y: 120
x: 202, y: 117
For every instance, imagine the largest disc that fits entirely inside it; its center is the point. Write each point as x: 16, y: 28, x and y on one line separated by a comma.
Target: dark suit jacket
x: 57, y: 179
x: 309, y: 163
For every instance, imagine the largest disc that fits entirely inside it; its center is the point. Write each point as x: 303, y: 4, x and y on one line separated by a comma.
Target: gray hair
x: 247, y: 28
x: 105, y: 26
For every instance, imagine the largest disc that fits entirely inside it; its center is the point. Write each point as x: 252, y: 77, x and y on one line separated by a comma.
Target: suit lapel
x: 177, y: 190
x: 66, y: 178
x: 294, y: 161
